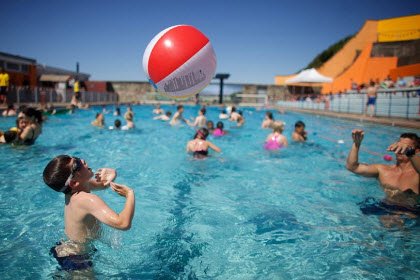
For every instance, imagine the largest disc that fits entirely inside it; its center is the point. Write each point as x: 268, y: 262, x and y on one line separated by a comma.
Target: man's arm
x: 353, y: 164
x: 101, y: 211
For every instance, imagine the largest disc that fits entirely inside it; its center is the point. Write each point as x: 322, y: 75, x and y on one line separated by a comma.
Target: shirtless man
x: 400, y: 181
x: 234, y: 116
x: 178, y: 115
x: 200, y: 120
x: 84, y: 211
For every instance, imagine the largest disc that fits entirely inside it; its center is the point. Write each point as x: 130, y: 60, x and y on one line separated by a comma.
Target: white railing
x: 400, y: 103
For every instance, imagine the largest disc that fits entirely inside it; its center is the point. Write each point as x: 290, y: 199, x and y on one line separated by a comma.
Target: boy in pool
x: 164, y: 117
x: 178, y: 116
x: 400, y: 181
x: 84, y: 211
x: 299, y: 134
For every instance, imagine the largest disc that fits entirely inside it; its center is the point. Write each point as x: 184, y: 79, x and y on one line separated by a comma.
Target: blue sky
x: 253, y: 40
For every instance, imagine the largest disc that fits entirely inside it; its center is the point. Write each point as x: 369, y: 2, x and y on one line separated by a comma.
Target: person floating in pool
x: 164, y: 117
x: 199, y: 146
x: 219, y: 131
x: 200, y: 120
x: 240, y: 120
x: 158, y: 110
x: 178, y: 116
x: 400, y: 181
x: 234, y: 115
x: 276, y: 139
x: 29, y: 126
x: 117, y: 125
x: 84, y: 211
x: 223, y: 115
x: 129, y: 118
x: 268, y: 120
x: 299, y: 134
x: 99, y: 120
x: 210, y: 126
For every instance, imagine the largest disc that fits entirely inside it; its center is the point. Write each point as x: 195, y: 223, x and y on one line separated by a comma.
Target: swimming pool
x: 242, y: 214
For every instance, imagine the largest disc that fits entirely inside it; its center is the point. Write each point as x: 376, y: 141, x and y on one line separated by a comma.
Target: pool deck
x: 357, y: 117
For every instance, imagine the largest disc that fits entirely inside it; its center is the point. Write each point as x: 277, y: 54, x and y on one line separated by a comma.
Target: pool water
x: 242, y: 214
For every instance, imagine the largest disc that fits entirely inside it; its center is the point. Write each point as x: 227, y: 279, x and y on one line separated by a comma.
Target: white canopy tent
x: 309, y: 76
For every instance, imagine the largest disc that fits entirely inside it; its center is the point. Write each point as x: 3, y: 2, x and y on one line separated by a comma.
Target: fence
x: 40, y: 95
x: 400, y: 103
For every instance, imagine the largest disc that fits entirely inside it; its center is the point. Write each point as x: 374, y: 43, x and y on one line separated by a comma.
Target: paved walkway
x: 357, y: 117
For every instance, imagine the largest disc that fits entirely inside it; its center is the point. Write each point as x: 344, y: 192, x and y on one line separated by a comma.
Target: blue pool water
x: 242, y: 214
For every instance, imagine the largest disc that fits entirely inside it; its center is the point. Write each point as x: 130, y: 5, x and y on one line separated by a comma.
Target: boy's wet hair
x: 269, y: 115
x: 117, y: 123
x: 299, y: 124
x: 56, y: 172
x: 168, y: 114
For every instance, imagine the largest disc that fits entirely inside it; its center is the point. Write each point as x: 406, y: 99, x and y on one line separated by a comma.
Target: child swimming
x: 276, y: 140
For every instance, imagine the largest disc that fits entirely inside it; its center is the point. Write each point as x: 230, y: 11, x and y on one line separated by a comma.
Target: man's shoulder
x: 84, y: 197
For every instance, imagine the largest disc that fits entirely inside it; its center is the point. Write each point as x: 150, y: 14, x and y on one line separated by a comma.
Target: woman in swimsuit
x: 199, y: 146
x: 30, y: 126
x: 276, y: 140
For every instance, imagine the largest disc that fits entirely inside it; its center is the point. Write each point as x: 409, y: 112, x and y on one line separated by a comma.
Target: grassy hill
x: 328, y: 53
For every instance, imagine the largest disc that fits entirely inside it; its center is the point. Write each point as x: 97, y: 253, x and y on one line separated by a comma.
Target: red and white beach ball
x: 179, y: 61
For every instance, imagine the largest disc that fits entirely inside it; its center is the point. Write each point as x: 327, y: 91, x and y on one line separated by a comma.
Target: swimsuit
x: 371, y: 100
x: 218, y: 132
x: 371, y: 206
x: 273, y: 144
x: 72, y: 262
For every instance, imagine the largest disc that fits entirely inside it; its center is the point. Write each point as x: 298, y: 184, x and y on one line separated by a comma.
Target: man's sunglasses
x: 76, y: 167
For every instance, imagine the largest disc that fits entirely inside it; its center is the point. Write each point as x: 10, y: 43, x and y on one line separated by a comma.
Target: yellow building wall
x: 399, y: 29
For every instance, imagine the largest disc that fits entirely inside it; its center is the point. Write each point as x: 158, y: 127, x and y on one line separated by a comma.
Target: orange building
x: 389, y: 47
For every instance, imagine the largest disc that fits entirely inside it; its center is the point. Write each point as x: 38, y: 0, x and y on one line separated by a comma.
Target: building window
x: 12, y: 66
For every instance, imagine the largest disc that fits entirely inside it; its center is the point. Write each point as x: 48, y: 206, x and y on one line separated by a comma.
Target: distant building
x: 21, y: 70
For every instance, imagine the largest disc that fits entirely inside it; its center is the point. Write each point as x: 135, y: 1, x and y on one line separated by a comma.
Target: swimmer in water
x: 400, y: 181
x: 234, y: 116
x: 219, y: 131
x: 199, y: 146
x: 158, y: 110
x: 84, y: 211
x: 223, y: 115
x: 268, y: 120
x: 178, y: 116
x: 240, y: 120
x: 299, y: 134
x: 200, y: 120
x: 164, y: 117
x: 99, y: 120
x: 210, y: 126
x: 276, y: 139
